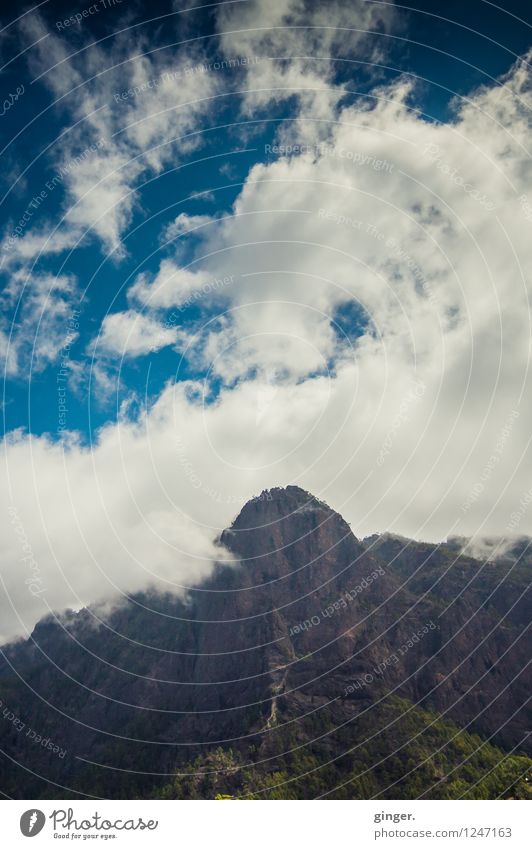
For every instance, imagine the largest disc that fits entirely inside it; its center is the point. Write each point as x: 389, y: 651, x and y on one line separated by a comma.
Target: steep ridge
x: 311, y: 634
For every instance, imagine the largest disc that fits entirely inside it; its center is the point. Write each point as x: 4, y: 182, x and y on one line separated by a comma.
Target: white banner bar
x: 265, y: 825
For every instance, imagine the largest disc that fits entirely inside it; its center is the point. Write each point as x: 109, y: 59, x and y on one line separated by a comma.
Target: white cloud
x: 418, y: 424
x: 423, y: 227
x: 131, y: 334
x: 297, y: 43
x: 132, y: 115
x: 91, y: 525
x: 185, y: 224
x: 170, y: 287
x: 37, y: 321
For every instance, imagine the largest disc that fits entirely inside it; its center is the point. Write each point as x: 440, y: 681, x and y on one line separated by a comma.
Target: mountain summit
x: 314, y: 651
x: 279, y: 503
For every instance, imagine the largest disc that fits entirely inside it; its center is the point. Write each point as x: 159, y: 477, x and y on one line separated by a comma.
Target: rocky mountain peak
x: 281, y: 517
x: 275, y: 504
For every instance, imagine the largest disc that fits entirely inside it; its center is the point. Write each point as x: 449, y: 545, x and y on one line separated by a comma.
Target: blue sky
x: 253, y: 244
x: 484, y: 42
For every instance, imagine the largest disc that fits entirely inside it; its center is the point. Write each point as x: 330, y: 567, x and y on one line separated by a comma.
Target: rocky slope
x: 312, y: 636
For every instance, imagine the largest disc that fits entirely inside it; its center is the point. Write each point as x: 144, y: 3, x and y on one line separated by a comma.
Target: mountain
x: 318, y: 665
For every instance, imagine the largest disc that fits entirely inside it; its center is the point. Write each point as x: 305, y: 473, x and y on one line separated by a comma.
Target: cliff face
x: 308, y: 630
